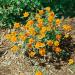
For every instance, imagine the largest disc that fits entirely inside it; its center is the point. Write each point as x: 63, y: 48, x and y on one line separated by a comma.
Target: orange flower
x: 13, y: 39
x: 47, y: 9
x: 27, y: 34
x: 22, y: 37
x: 30, y: 22
x: 67, y: 27
x: 31, y: 53
x: 57, y: 49
x: 39, y: 25
x: 52, y: 14
x: 26, y: 27
x: 58, y: 36
x: 49, y: 42
x: 42, y: 51
x: 14, y: 48
x: 26, y: 14
x: 16, y: 25
x: 31, y: 40
x: 41, y: 12
x: 29, y: 45
x: 58, y: 21
x: 39, y: 44
x: 38, y: 73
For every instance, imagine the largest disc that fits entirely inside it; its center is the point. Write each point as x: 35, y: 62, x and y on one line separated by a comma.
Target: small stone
x: 48, y: 66
x: 21, y: 73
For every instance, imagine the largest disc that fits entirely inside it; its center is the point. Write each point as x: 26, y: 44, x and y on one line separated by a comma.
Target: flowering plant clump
x: 43, y: 38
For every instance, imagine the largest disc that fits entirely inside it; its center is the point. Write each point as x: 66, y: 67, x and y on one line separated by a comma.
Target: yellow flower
x: 32, y: 31
x: 58, y: 22
x: 49, y: 42
x: 40, y: 20
x: 38, y: 73
x: 47, y: 9
x: 50, y: 18
x: 8, y: 36
x: 41, y: 12
x: 42, y: 51
x: 48, y: 28
x: 67, y: 27
x: 66, y: 35
x: 43, y: 29
x: 13, y: 39
x: 56, y: 43
x: 14, y: 48
x: 71, y: 61
x: 31, y: 40
x: 37, y: 16
x: 39, y: 44
x: 40, y: 36
x: 16, y: 25
x: 13, y: 33
x: 26, y: 14
x: 26, y: 27
x: 31, y: 53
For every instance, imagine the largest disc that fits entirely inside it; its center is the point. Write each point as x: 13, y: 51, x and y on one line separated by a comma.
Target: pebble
x: 21, y: 73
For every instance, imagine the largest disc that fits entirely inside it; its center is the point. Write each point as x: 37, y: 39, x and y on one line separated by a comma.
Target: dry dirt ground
x: 17, y: 65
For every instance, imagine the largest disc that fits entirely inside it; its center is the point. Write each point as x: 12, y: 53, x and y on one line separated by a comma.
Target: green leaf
x: 1, y: 17
x: 57, y: 32
x: 16, y: 1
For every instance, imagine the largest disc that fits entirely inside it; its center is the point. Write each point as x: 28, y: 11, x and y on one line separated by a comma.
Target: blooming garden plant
x: 43, y: 38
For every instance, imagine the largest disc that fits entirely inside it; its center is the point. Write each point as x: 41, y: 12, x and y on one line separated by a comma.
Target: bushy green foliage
x: 11, y: 10
x: 61, y: 7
